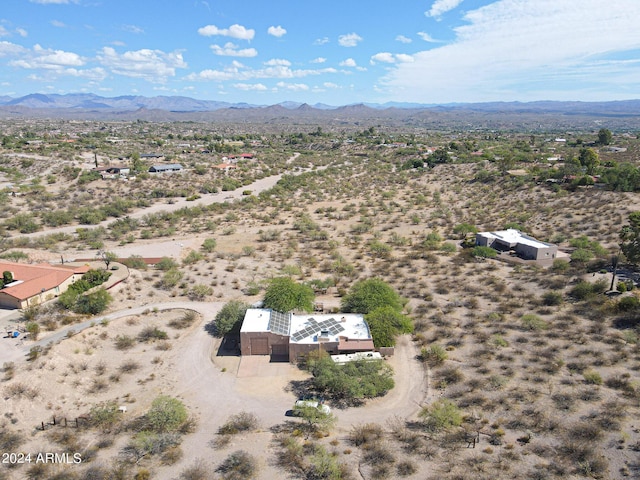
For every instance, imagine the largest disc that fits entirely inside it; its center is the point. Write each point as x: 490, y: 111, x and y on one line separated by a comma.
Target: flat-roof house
x: 525, y: 246
x: 290, y: 336
x: 34, y: 284
x: 118, y: 170
x: 170, y: 167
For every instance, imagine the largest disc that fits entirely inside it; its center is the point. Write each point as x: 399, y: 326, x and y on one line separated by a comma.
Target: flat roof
x: 306, y: 328
x: 512, y: 235
x: 256, y: 320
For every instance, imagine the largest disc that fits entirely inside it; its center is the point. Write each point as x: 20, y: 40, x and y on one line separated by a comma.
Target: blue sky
x: 332, y: 52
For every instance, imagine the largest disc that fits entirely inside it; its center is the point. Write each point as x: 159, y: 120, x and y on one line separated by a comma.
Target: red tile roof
x: 37, y: 278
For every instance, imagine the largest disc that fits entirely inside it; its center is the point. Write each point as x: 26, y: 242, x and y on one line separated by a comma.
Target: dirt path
x: 256, y: 187
x: 213, y: 393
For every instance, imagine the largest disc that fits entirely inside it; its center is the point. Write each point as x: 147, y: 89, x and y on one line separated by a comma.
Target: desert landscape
x: 512, y: 369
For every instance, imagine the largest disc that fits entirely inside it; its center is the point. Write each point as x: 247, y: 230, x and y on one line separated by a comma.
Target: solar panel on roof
x: 280, y: 322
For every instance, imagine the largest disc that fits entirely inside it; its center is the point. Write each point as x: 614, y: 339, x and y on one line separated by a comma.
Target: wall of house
x: 530, y: 252
x: 272, y: 338
x: 7, y: 301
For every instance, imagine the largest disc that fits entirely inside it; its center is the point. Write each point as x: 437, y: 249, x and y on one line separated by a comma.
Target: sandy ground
x: 213, y: 387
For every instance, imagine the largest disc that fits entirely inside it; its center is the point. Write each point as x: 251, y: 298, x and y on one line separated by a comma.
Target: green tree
x: 353, y: 380
x: 589, y: 159
x: 604, y: 136
x: 464, y: 229
x: 630, y: 239
x: 166, y: 414
x: 107, y: 257
x: 367, y: 295
x: 7, y: 277
x: 230, y: 317
x: 92, y: 303
x: 385, y: 323
x: 284, y: 295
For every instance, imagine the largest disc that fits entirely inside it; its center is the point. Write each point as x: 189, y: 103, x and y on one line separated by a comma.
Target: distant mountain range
x: 517, y: 115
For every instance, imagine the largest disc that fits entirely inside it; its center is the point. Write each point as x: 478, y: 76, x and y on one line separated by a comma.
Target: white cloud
x: 256, y: 87
x: 349, y: 62
x: 276, y: 31
x: 321, y: 41
x: 426, y: 37
x: 386, y: 57
x: 41, y: 58
x: 382, y: 57
x: 277, y: 61
x: 234, y: 31
x: 349, y: 40
x: 22, y: 32
x: 4, y: 32
x: 523, y: 50
x: 8, y: 49
x: 403, y: 39
x: 404, y: 58
x: 239, y: 72
x: 294, y: 87
x: 133, y: 29
x: 441, y: 7
x: 330, y: 85
x: 319, y: 60
x: 152, y: 65
x: 232, y: 50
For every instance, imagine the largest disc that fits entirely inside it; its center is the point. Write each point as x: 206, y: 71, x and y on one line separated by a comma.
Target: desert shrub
x: 366, y: 433
x: 192, y: 257
x: 104, y: 415
x: 33, y: 329
x: 238, y: 465
x: 628, y: 304
x: 10, y: 441
x: 129, y: 366
x: 166, y: 263
x: 135, y: 261
x: 241, y: 422
x: 379, y: 453
x: 406, y: 468
x: 209, y: 245
x: 441, y: 415
x: 552, y: 298
x: 531, y: 321
x: 197, y: 471
x: 483, y: 252
x: 230, y: 317
x: 170, y: 279
x: 185, y: 321
x: 434, y: 355
x: 172, y: 455
x: 166, y: 414
x: 450, y: 376
x: 199, y: 292
x: 124, y: 342
x: 150, y: 443
x: 592, y: 377
x: 152, y: 333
